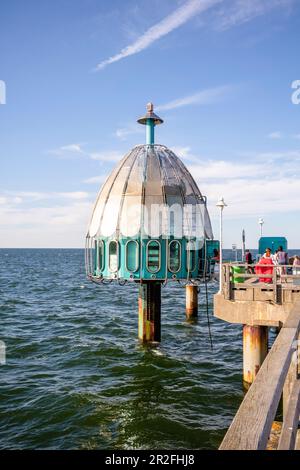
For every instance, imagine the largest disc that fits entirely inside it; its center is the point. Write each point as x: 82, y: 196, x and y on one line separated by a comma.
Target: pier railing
x: 249, y: 285
x: 278, y: 375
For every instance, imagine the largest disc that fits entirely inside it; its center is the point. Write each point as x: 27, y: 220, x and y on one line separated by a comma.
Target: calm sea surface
x: 76, y: 377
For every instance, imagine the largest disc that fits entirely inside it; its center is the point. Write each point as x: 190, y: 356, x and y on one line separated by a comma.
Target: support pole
x: 255, y: 350
x: 149, y: 311
x: 150, y: 131
x: 191, y: 301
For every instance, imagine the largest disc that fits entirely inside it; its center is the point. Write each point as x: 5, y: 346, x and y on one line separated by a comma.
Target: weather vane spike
x: 150, y: 107
x: 150, y: 120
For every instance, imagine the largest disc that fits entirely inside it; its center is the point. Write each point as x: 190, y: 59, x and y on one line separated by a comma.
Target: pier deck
x: 271, y: 375
x: 251, y: 426
x: 256, y: 303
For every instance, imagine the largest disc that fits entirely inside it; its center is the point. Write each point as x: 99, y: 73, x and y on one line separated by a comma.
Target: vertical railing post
x: 275, y: 292
x: 227, y: 281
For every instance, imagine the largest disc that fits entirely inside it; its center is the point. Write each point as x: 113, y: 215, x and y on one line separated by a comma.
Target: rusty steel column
x: 149, y: 311
x: 191, y: 298
x: 255, y: 350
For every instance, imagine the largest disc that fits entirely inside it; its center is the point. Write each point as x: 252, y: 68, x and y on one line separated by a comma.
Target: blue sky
x: 78, y: 74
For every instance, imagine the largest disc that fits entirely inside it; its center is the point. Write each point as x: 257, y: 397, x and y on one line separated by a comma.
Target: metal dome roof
x: 148, y: 175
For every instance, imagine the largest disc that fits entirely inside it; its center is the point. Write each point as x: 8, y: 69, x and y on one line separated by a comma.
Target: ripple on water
x: 77, y: 377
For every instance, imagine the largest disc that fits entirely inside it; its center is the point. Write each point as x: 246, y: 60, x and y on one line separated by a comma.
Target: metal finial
x: 150, y: 107
x: 150, y: 115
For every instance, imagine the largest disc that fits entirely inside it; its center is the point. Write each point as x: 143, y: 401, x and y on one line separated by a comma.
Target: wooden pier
x: 260, y: 305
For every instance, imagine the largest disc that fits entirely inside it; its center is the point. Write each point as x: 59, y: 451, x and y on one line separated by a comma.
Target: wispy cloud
x: 95, y: 179
x: 67, y: 150
x: 123, y: 132
x: 208, y: 96
x: 265, y: 181
x: 180, y: 16
x: 231, y: 14
x: 41, y: 219
x: 242, y: 11
x: 107, y: 156
x: 275, y: 135
x: 17, y: 197
x: 75, y: 150
x: 185, y: 153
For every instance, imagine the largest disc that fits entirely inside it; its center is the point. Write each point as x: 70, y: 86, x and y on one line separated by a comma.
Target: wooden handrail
x: 251, y: 426
x: 247, y: 265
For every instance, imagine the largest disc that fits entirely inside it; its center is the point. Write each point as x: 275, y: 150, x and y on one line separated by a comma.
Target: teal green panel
x: 273, y: 243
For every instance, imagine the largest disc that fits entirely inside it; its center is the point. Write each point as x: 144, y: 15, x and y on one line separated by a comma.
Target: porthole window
x: 132, y: 256
x: 174, y: 257
x: 100, y: 256
x: 190, y: 256
x: 153, y: 256
x: 113, y: 256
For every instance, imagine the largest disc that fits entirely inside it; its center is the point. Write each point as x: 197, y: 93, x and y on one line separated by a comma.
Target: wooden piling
x: 191, y: 301
x: 255, y: 350
x: 149, y: 311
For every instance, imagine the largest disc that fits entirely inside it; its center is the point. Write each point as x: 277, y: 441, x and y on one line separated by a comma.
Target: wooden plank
x: 288, y: 435
x: 290, y: 379
x: 293, y: 320
x: 251, y: 425
x: 274, y: 278
x: 297, y: 445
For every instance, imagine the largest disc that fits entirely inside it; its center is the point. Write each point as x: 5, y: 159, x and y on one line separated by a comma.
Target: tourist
x: 281, y: 258
x: 296, y: 269
x: 248, y: 257
x: 215, y: 265
x: 249, y: 260
x: 265, y: 266
x: 216, y: 256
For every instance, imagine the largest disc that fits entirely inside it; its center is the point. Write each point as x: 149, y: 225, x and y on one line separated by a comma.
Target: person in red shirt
x: 265, y: 266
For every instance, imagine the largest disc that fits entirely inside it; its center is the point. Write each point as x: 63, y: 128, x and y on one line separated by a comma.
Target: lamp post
x: 261, y: 223
x: 234, y: 249
x: 221, y: 204
x: 243, y: 245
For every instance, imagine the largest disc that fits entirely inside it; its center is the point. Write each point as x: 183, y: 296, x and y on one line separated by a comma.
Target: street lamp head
x: 261, y: 221
x: 221, y: 203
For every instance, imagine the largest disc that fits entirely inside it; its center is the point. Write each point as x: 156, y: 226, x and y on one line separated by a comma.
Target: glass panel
x: 132, y: 256
x: 173, y: 184
x: 112, y: 206
x: 95, y: 251
x: 191, y: 189
x: 92, y: 256
x: 153, y: 182
x: 154, y: 216
x: 174, y: 256
x: 130, y: 223
x: 101, y: 199
x: 100, y: 259
x: 136, y: 177
x: 130, y: 220
x: 113, y: 256
x: 207, y: 224
x: 153, y: 256
x: 190, y: 256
